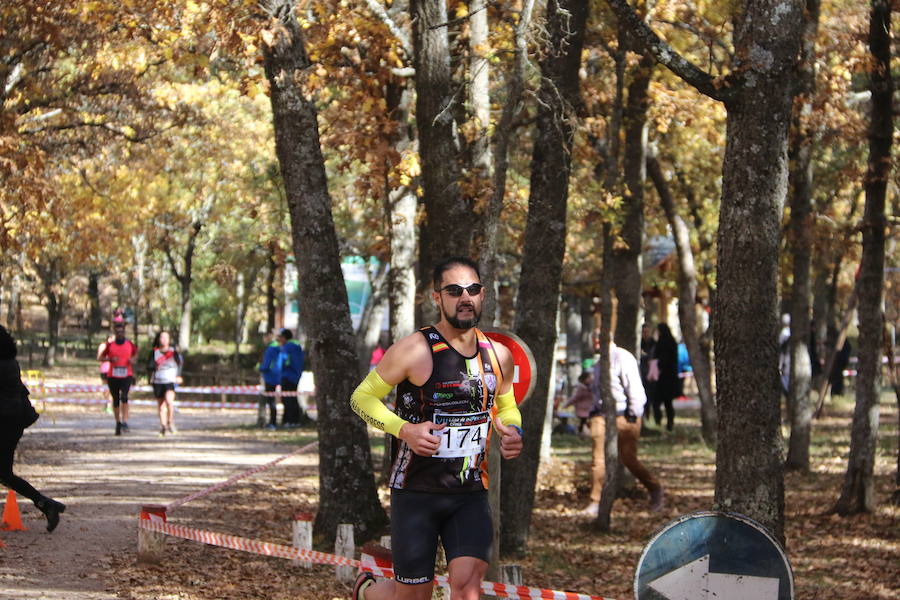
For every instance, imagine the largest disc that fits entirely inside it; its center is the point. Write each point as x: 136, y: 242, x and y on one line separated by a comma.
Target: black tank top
x: 459, y: 393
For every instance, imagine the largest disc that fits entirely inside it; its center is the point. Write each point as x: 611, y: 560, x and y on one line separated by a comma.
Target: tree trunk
x: 347, y: 491
x: 545, y: 234
x: 858, y: 493
x: 801, y: 224
x: 13, y: 323
x: 401, y: 205
x: 184, y: 324
x: 184, y: 276
x: 54, y: 316
x: 687, y: 295
x: 626, y: 258
x: 95, y: 313
x: 271, y: 293
x: 501, y: 141
x: 483, y: 168
x: 402, y: 276
x: 894, y: 378
x: 757, y: 97
x: 240, y: 310
x: 479, y: 96
x: 749, y: 469
x: 448, y: 222
x: 51, y: 277
x: 141, y: 248
x: 587, y: 327
x: 481, y: 163
x: 372, y: 318
x: 573, y: 341
x: 612, y: 469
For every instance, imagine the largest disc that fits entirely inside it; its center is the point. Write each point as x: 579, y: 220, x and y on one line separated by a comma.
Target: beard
x: 458, y: 323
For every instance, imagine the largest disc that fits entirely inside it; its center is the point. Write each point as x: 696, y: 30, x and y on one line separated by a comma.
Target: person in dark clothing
x: 270, y: 368
x: 668, y: 384
x: 648, y: 344
x: 836, y: 377
x: 12, y: 427
x: 291, y: 370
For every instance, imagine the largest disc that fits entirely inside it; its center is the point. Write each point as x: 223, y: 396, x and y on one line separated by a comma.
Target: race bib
x: 465, y: 434
x: 120, y: 371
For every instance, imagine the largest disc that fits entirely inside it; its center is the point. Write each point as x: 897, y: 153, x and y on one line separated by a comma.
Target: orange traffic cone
x: 12, y: 519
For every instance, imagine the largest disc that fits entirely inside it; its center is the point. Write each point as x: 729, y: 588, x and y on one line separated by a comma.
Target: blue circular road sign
x: 713, y: 555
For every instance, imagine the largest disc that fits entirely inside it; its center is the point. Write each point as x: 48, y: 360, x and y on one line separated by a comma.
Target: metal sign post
x: 523, y: 384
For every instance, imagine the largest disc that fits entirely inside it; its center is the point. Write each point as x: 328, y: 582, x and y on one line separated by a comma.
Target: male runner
x: 451, y: 380
x: 120, y: 353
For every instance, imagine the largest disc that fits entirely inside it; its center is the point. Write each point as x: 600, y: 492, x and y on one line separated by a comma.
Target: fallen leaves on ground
x: 856, y: 558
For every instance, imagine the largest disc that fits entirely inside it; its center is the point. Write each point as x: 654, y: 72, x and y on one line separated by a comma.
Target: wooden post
x: 303, y: 534
x: 344, y: 546
x: 151, y: 544
x: 511, y: 574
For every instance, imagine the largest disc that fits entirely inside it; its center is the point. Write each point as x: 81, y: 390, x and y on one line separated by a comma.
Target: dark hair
x: 157, y: 336
x: 443, y: 266
x: 584, y: 376
x: 172, y: 345
x: 7, y: 345
x: 286, y: 334
x: 665, y: 335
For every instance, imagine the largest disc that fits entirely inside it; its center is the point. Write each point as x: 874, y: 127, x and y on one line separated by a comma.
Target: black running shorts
x: 461, y: 520
x: 118, y: 387
x: 160, y: 389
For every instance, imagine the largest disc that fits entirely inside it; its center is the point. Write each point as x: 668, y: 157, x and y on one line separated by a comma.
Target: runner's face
x: 462, y: 312
x: 164, y: 339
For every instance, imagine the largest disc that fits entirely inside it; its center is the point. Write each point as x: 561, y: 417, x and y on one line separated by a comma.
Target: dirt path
x: 72, y: 455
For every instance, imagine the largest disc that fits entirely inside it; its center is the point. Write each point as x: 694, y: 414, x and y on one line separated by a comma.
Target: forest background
x: 176, y: 157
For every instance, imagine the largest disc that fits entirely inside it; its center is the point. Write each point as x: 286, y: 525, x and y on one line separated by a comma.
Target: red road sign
x: 524, y: 375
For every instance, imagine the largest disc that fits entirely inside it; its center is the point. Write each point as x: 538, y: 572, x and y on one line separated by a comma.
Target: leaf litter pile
x: 855, y: 558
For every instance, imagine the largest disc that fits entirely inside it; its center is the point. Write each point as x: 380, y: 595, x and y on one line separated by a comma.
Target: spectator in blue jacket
x: 291, y: 369
x: 270, y: 368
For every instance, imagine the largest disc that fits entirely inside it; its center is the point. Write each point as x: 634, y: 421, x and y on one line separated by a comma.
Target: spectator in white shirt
x: 628, y: 393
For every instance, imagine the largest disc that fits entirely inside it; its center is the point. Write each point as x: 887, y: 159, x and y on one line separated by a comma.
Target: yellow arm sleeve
x: 366, y: 402
x: 508, y: 410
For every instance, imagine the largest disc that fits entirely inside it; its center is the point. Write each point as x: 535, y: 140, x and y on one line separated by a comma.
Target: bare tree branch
x: 716, y: 88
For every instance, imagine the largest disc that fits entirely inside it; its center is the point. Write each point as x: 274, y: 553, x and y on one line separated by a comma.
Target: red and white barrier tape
x: 138, y: 402
x: 246, y: 390
x: 171, y: 506
x: 234, y: 542
x: 488, y: 588
x: 245, y: 544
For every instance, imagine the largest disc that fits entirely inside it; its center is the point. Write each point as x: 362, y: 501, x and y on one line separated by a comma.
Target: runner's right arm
x: 366, y: 402
x: 409, y: 358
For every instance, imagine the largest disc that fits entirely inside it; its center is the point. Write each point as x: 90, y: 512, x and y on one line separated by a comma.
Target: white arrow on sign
x: 693, y: 581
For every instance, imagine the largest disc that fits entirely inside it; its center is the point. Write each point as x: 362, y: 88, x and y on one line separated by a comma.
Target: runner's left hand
x: 510, y: 440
